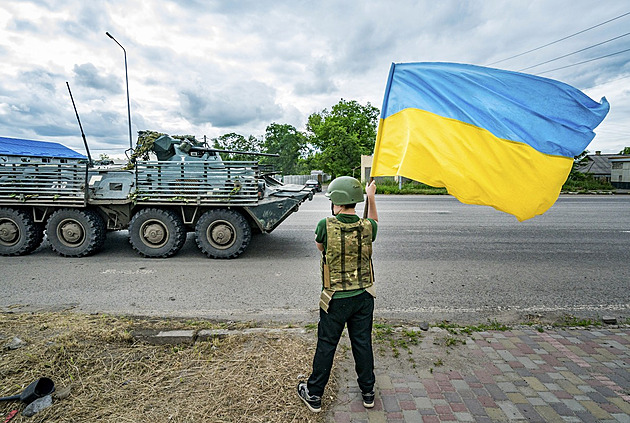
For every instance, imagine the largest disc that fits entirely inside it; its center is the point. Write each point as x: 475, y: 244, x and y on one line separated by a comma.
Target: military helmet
x: 345, y: 190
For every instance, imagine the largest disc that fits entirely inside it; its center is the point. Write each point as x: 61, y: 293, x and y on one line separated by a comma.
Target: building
x: 620, y: 171
x: 612, y: 168
x: 366, y: 168
x: 13, y: 150
x: 598, y: 165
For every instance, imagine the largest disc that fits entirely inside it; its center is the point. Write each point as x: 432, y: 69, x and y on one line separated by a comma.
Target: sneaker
x: 313, y: 402
x: 368, y: 399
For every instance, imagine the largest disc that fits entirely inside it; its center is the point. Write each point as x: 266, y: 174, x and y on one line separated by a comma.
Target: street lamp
x: 127, y: 81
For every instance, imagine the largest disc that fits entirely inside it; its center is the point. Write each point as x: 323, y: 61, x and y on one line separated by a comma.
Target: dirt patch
x: 114, y: 378
x: 408, y: 350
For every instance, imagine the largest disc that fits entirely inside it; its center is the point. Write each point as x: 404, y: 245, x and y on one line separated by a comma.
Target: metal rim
x: 221, y: 234
x: 71, y: 233
x: 154, y: 233
x: 9, y: 232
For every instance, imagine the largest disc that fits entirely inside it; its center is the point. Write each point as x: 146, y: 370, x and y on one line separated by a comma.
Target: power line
x: 585, y: 61
x: 561, y: 39
x: 575, y: 52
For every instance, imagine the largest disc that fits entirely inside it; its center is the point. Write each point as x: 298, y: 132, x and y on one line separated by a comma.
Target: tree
x: 579, y: 161
x: 341, y: 135
x: 288, y: 143
x: 625, y: 151
x: 103, y: 160
x: 237, y: 142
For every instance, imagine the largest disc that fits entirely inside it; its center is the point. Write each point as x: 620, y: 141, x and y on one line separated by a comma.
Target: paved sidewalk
x: 572, y: 375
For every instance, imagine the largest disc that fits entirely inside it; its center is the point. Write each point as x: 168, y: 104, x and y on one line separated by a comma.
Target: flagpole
x: 367, y: 203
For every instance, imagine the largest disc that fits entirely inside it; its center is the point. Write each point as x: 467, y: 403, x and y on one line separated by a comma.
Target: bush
x: 583, y: 182
x: 389, y: 186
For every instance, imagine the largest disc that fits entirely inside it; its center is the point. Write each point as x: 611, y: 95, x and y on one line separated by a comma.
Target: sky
x: 207, y: 68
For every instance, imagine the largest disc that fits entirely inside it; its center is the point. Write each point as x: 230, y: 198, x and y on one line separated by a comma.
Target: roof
x: 30, y: 148
x: 598, y: 164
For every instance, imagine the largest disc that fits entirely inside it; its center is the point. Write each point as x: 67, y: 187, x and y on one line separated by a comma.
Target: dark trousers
x: 357, y: 312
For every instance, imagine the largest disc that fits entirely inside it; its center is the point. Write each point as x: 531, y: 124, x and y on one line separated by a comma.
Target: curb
x: 189, y: 337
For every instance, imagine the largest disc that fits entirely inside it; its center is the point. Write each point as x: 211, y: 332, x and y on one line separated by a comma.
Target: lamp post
x: 127, y: 82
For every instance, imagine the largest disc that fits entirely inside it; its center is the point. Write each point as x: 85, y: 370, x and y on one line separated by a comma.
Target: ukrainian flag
x: 491, y: 137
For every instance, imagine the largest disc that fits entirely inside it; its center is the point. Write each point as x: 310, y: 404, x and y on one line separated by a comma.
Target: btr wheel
x: 157, y: 233
x: 19, y: 234
x: 76, y: 233
x: 223, y: 233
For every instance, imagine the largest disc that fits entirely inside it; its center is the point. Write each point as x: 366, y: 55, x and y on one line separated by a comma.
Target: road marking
x: 128, y: 272
x: 384, y: 210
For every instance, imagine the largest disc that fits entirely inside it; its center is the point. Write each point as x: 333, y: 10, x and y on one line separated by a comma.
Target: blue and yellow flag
x: 491, y: 137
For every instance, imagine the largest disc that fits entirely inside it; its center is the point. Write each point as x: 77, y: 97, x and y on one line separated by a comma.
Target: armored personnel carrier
x: 49, y: 189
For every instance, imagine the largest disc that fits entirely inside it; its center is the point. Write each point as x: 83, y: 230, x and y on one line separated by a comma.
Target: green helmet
x: 345, y: 190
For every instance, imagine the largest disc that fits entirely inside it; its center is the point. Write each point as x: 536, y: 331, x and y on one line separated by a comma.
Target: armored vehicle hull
x: 158, y: 202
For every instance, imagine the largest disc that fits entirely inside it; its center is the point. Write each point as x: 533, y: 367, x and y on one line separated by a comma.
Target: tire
x: 157, y: 233
x: 76, y: 232
x: 222, y: 233
x: 19, y: 234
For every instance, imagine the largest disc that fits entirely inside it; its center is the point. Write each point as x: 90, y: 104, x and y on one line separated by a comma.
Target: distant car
x: 314, y: 185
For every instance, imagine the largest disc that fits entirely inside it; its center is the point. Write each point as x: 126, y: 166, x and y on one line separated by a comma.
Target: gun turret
x: 167, y: 148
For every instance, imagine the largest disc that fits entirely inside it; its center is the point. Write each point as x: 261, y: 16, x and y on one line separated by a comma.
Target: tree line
x: 333, y: 141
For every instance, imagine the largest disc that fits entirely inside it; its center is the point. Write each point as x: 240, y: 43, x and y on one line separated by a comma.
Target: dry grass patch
x: 116, y: 379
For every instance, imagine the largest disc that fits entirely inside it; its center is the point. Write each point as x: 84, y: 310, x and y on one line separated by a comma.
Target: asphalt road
x: 435, y: 259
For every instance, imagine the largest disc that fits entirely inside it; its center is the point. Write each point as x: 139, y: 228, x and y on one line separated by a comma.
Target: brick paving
x: 572, y: 375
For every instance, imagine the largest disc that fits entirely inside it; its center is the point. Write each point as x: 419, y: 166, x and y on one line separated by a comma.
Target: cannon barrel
x: 215, y: 150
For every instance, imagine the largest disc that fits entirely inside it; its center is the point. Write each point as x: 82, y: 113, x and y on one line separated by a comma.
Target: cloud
x: 188, y: 58
x: 86, y: 18
x: 230, y: 106
x: 317, y: 79
x: 88, y: 76
x: 40, y: 78
x: 23, y: 25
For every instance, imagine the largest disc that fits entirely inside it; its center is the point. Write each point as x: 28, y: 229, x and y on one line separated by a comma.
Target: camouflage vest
x: 347, y: 264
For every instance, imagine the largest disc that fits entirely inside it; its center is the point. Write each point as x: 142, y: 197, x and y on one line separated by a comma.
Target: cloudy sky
x: 212, y: 67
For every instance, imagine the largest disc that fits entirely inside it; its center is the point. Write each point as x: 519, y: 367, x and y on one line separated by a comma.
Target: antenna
x: 87, y: 149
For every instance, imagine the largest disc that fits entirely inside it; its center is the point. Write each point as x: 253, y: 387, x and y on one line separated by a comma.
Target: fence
x: 43, y: 184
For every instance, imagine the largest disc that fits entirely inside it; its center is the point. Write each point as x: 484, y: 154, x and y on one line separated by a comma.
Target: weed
x: 570, y: 320
x: 412, y: 336
x: 451, y: 327
x: 382, y: 331
x: 468, y: 330
x: 452, y: 341
x: 395, y: 351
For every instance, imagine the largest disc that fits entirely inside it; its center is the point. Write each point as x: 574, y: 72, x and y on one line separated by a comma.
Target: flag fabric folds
x: 491, y: 137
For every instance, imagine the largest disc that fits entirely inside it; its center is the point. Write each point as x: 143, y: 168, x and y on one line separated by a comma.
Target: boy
x: 345, y: 241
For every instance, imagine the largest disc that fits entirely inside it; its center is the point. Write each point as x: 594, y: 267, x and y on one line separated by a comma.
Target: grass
x: 578, y: 183
x: 483, y: 327
x: 114, y: 378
